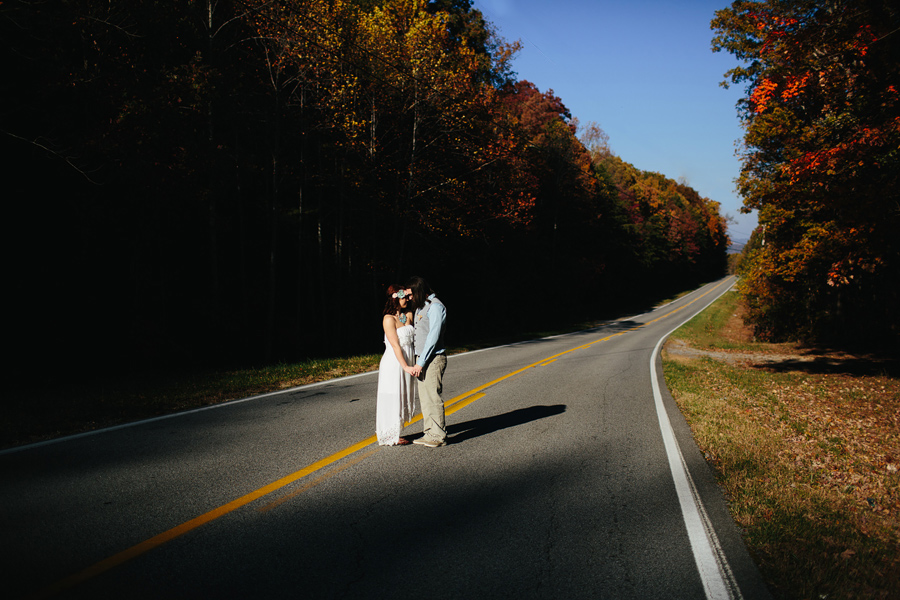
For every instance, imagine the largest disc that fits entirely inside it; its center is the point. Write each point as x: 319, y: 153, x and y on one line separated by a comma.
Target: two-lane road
x: 568, y: 475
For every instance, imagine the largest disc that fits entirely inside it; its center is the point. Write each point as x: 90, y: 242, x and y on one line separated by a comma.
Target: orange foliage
x: 821, y: 160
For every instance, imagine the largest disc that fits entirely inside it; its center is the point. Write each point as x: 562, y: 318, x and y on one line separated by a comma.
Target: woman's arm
x: 390, y: 330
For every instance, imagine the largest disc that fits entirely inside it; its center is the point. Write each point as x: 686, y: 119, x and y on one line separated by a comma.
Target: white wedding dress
x: 396, y: 390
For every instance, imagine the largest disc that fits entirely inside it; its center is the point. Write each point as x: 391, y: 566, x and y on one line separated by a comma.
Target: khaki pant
x: 430, y: 387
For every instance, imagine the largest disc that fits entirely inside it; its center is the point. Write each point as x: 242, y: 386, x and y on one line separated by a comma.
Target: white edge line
x: 710, y: 574
x: 178, y: 414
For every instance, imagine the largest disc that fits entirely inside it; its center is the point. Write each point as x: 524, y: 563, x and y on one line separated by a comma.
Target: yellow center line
x: 167, y: 536
x: 467, y: 401
x: 318, y: 480
x: 460, y: 401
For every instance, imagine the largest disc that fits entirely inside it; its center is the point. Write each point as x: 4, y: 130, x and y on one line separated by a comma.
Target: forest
x: 211, y: 183
x: 821, y: 162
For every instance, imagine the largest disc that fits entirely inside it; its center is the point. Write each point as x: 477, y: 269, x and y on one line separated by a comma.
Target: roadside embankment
x: 806, y: 445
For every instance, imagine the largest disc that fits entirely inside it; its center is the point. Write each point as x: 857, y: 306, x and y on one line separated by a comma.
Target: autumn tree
x: 570, y: 232
x: 221, y: 182
x: 821, y: 162
x: 420, y: 113
x: 673, y: 232
x: 559, y: 161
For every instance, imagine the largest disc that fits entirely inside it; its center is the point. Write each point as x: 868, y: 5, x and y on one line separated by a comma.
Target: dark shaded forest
x: 198, y: 184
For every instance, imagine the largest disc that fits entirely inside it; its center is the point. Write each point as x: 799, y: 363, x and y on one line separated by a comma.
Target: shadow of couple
x: 460, y: 432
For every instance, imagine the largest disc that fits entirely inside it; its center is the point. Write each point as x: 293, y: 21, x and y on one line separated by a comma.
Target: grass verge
x: 41, y: 413
x: 806, y: 444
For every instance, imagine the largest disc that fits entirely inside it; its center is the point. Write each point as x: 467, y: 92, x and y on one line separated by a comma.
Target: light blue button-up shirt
x: 437, y: 316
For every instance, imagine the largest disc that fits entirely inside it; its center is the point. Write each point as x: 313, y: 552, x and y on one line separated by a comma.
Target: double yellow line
x: 115, y: 560
x: 452, y: 405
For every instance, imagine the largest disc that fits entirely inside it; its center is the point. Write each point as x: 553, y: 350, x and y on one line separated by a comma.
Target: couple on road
x: 414, y: 348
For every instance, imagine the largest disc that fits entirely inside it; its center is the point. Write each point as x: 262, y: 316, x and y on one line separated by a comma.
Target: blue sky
x: 643, y: 70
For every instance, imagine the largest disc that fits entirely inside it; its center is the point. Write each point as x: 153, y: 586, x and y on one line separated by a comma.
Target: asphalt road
x: 557, y: 483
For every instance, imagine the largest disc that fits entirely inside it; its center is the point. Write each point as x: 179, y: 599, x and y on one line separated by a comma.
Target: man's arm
x: 437, y: 314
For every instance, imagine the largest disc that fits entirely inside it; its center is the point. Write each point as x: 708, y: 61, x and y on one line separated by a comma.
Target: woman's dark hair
x: 392, y: 306
x: 420, y: 290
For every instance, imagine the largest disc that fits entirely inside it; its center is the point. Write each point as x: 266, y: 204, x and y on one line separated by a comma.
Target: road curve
x: 568, y: 473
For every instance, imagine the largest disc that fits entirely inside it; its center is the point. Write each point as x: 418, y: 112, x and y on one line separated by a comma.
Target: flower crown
x: 401, y: 294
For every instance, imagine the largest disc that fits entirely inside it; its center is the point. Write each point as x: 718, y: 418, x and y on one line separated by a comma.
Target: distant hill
x: 737, y: 245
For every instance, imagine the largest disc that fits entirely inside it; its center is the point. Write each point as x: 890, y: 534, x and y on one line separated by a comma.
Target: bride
x: 396, y: 390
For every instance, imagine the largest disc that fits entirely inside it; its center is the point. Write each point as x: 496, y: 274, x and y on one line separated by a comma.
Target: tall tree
x: 822, y: 160
x: 197, y: 182
x: 422, y: 111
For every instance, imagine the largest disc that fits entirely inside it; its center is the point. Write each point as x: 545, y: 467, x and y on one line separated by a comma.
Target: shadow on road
x: 460, y: 432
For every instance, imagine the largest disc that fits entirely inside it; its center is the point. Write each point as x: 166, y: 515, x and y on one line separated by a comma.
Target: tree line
x: 821, y: 164
x: 212, y: 182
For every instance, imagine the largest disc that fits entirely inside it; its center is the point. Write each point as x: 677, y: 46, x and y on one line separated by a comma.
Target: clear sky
x: 643, y: 70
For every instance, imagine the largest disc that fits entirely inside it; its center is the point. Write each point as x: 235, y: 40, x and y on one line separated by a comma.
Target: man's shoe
x: 428, y: 443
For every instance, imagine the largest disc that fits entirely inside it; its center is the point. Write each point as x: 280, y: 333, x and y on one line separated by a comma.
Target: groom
x: 431, y: 361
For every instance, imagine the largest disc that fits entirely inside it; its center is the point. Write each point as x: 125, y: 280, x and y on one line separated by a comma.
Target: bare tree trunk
x: 337, y: 278
x: 410, y: 184
x: 372, y: 130
x: 212, y: 210
x: 301, y: 284
x: 320, y: 257
x: 242, y: 239
x: 273, y: 233
x: 273, y: 253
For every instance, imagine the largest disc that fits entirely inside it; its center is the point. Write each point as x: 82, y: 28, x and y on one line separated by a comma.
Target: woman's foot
x: 403, y: 442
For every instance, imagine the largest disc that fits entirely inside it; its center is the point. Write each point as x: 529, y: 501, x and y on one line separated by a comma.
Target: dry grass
x: 806, y: 443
